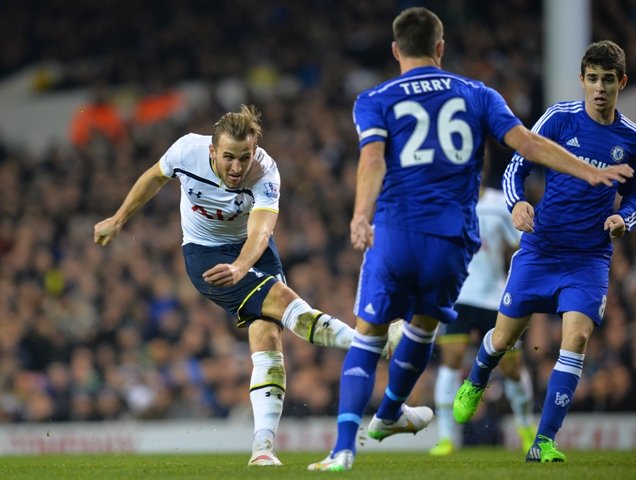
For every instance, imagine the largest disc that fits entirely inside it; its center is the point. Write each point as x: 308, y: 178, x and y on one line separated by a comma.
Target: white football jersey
x: 211, y: 213
x: 486, y: 273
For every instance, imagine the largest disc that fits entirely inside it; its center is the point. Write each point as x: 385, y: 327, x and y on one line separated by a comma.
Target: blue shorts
x: 410, y: 273
x: 245, y: 299
x: 539, y: 283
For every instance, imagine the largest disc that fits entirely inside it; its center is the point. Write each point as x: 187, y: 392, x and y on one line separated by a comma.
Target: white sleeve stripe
x: 630, y: 221
x: 628, y: 123
x: 508, y: 183
x: 572, y: 107
x: 373, y: 131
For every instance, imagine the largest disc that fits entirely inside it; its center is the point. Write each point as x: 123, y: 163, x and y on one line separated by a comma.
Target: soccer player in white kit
x: 476, y: 308
x: 230, y: 190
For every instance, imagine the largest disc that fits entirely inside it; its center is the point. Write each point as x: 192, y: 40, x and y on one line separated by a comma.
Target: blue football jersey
x: 571, y: 213
x: 434, y: 125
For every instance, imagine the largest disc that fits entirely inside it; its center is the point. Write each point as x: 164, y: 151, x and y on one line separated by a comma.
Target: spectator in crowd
x: 158, y: 104
x: 100, y: 117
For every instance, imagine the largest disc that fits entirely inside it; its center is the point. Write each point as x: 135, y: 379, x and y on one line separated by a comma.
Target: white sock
x: 447, y: 383
x: 267, y: 393
x: 263, y: 440
x: 328, y: 331
x: 519, y: 394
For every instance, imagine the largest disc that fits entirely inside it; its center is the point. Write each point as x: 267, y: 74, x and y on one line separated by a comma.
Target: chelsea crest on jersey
x: 211, y: 213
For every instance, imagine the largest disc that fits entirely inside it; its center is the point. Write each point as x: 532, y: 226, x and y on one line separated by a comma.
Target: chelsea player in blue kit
x: 422, y: 138
x: 563, y: 264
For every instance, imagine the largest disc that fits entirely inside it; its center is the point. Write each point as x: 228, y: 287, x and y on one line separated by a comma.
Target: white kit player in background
x: 477, y: 306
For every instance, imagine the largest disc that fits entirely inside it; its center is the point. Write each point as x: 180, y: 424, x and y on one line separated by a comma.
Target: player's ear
x: 395, y: 50
x: 439, y: 48
x: 623, y: 81
x: 212, y: 151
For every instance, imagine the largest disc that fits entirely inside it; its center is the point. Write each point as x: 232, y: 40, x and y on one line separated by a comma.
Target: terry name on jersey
x: 423, y: 86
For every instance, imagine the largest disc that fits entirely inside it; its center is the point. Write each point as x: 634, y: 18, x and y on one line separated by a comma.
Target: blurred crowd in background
x: 92, y: 333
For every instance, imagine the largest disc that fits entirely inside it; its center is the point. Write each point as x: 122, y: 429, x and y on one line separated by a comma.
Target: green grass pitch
x: 469, y: 464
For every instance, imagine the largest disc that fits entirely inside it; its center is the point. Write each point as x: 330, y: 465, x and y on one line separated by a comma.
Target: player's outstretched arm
x: 544, y: 151
x: 146, y: 187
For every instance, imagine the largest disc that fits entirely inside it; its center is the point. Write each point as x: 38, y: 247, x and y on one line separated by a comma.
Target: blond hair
x: 239, y: 125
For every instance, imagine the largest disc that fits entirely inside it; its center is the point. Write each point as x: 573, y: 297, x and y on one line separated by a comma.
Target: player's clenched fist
x: 523, y: 217
x: 106, y: 230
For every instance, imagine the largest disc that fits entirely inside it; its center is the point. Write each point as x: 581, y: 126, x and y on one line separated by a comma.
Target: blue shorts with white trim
x: 407, y: 273
x: 539, y: 283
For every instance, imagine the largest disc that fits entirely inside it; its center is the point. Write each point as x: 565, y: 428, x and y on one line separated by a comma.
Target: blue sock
x: 561, y: 386
x: 407, y: 364
x: 487, y: 359
x: 356, y: 387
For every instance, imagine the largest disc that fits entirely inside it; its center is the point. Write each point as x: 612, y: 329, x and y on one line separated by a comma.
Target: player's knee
x: 277, y: 300
x: 453, y: 359
x: 265, y: 336
x: 577, y: 341
x: 503, y: 341
x: 282, y: 295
